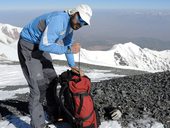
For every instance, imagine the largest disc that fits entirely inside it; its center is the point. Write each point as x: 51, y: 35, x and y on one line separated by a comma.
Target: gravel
x: 136, y: 96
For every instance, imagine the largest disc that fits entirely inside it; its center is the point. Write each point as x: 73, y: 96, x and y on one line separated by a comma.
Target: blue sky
x: 99, y: 4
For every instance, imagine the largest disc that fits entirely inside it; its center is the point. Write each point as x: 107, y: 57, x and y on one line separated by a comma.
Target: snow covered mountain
x: 8, y: 33
x: 128, y: 55
x: 8, y: 39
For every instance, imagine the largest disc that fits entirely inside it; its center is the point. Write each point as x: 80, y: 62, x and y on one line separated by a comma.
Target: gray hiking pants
x: 40, y: 74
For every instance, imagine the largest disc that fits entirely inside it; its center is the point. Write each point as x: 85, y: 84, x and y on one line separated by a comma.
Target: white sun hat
x: 84, y: 10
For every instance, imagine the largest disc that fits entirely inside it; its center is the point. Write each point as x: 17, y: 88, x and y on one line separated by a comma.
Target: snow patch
x: 11, y: 94
x: 23, y: 122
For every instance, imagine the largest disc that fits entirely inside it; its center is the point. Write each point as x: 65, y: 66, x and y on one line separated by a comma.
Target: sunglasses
x: 80, y: 20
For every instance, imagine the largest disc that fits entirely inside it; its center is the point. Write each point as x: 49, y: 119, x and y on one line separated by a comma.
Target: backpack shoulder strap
x: 61, y: 93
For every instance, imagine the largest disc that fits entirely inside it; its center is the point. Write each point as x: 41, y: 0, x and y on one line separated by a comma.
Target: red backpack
x: 76, y: 101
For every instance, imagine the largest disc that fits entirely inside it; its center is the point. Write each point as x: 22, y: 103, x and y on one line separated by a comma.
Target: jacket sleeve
x: 51, y: 35
x: 68, y: 40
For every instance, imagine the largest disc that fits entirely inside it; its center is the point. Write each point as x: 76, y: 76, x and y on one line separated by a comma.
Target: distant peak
x: 130, y: 44
x: 125, y: 45
x: 9, y: 33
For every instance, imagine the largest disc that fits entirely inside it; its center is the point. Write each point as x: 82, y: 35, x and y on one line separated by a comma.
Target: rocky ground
x: 137, y: 96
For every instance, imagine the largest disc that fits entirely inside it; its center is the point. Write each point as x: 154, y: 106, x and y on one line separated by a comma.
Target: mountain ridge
x: 128, y: 55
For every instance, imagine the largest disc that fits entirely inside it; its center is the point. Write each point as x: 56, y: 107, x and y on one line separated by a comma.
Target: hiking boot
x: 52, y: 119
x: 0, y: 116
x: 45, y: 126
x: 53, y: 114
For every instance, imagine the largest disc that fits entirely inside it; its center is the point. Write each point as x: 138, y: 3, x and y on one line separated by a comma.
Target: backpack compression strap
x: 81, y: 96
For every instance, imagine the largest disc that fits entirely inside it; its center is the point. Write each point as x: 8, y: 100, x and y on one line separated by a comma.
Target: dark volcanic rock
x: 18, y: 106
x: 136, y: 96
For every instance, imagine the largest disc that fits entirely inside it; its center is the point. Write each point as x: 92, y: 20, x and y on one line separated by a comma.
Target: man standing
x: 39, y: 38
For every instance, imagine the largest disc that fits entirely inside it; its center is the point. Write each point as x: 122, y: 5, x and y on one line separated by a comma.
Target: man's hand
x: 75, y: 48
x: 77, y: 71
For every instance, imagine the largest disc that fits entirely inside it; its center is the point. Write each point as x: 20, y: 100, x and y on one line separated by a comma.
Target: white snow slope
x: 128, y: 55
x: 23, y: 122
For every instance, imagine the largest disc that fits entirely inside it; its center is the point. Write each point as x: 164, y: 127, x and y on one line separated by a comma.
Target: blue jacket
x: 57, y: 28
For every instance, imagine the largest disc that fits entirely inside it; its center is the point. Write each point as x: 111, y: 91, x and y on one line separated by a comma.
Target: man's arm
x: 51, y: 35
x: 68, y: 40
